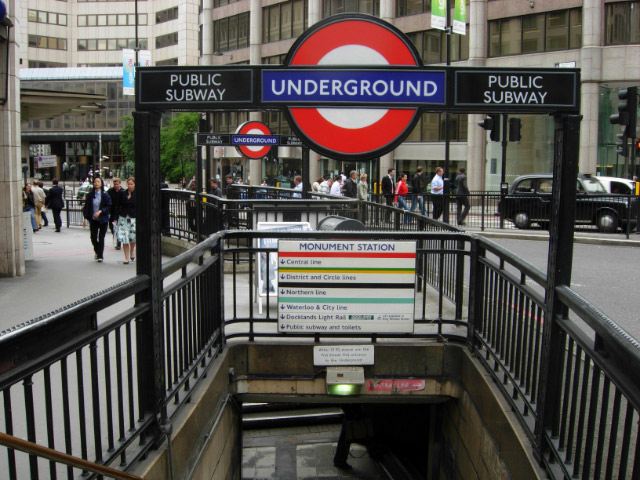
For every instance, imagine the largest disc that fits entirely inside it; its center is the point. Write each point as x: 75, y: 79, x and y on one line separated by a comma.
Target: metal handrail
x: 56, y: 456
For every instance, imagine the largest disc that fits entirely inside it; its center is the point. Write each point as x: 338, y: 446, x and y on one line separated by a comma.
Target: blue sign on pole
x: 254, y: 140
x: 379, y: 87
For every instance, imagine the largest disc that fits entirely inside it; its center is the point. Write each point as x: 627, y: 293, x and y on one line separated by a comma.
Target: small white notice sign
x: 343, y: 355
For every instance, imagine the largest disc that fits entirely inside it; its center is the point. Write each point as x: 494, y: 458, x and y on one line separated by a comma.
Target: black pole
x: 563, y: 201
x: 202, y: 128
x: 306, y: 186
x: 447, y: 133
x: 149, y: 326
x: 137, y: 44
x: 505, y: 123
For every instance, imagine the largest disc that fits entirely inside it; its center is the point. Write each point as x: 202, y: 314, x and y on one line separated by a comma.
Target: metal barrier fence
x: 71, y: 378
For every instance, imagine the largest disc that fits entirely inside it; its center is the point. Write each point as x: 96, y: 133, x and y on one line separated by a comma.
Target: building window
x: 92, y: 44
x: 169, y: 61
x: 544, y: 32
x: 231, y: 33
x: 41, y: 64
x: 227, y: 122
x: 274, y: 60
x: 50, y: 43
x: 622, y: 23
x: 167, y: 40
x: 221, y: 3
x: 430, y: 128
x: 52, y: 18
x: 111, y: 20
x: 432, y: 46
x: 332, y: 7
x: 284, y: 20
x: 167, y: 15
x: 412, y: 7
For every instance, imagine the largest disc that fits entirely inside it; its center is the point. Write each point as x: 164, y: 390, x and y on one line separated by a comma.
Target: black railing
x: 70, y: 379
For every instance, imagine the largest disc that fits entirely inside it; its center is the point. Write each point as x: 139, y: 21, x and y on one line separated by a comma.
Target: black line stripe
x: 381, y: 286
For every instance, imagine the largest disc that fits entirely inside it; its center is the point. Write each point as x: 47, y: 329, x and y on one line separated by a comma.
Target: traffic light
x: 492, y: 123
x: 622, y: 147
x: 627, y: 111
x: 515, y: 129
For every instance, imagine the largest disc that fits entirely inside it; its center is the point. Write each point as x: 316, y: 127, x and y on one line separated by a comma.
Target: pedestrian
x: 350, y: 185
x: 214, y: 188
x: 126, y: 229
x: 363, y: 188
x: 38, y: 199
x: 28, y: 205
x: 315, y: 186
x: 325, y: 186
x: 115, y: 194
x: 65, y: 170
x: 417, y: 189
x: 55, y: 202
x: 462, y: 195
x: 96, y: 210
x: 297, y: 181
x: 336, y: 186
x: 437, y: 192
x: 386, y: 185
x: 401, y: 192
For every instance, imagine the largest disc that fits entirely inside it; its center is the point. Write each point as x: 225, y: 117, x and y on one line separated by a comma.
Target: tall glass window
x: 622, y: 23
x: 283, y: 20
x: 412, y: 7
x: 532, y: 33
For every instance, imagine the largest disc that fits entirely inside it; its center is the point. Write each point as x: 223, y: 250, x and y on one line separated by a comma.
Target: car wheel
x: 607, y: 222
x: 522, y: 220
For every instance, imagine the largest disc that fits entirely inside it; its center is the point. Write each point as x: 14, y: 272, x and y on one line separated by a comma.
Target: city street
x: 606, y: 276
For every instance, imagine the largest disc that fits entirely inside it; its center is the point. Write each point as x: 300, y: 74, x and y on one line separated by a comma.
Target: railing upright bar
x: 48, y: 405
x: 95, y: 400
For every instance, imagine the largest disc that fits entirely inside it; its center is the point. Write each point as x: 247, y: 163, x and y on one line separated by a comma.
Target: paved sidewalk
x: 63, y: 270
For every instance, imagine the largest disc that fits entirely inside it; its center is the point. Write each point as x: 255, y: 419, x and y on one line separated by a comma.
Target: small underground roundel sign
x: 384, y: 115
x: 253, y: 139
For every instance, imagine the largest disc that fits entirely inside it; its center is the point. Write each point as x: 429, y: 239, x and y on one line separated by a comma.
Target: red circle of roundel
x: 253, y: 128
x: 374, y: 139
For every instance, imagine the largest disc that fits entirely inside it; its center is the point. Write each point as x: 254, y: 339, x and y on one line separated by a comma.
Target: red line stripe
x: 346, y: 254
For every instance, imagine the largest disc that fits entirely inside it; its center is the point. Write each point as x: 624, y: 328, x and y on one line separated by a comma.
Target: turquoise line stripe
x: 343, y: 300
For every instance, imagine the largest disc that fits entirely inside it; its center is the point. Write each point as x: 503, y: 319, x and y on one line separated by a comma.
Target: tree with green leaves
x: 177, y: 148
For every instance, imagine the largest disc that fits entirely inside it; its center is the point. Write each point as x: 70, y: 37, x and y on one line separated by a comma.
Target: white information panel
x: 346, y: 286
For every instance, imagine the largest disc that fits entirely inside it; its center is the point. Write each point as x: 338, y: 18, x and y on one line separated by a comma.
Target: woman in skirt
x: 126, y: 230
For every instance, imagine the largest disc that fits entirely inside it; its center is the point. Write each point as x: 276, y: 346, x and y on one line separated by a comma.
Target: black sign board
x: 213, y: 139
x: 290, y: 141
x: 194, y: 88
x: 519, y: 90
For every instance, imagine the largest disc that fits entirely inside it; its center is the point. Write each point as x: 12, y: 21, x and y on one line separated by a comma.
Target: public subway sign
x: 354, y: 87
x: 346, y: 286
x: 522, y: 90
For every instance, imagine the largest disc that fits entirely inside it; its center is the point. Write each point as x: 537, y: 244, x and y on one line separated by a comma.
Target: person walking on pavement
x: 350, y: 185
x: 437, y: 192
x: 462, y: 196
x: 96, y: 210
x: 386, y: 185
x: 115, y: 193
x: 38, y: 199
x: 55, y: 202
x: 297, y: 181
x: 336, y: 186
x: 126, y: 229
x: 417, y: 189
x: 325, y: 187
x: 28, y: 205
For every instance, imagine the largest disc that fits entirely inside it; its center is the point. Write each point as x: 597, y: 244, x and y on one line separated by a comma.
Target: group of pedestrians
x: 105, y: 208
x: 398, y: 194
x: 36, y: 201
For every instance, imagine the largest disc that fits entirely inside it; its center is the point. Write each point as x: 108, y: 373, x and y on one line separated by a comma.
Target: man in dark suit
x: 462, y: 195
x: 387, y: 187
x: 55, y: 201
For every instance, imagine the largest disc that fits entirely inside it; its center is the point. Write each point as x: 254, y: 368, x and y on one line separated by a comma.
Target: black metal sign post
x: 565, y: 172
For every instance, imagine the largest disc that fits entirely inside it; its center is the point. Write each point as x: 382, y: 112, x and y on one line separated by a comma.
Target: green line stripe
x: 343, y: 300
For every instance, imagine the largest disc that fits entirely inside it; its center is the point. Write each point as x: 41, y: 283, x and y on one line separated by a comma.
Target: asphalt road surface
x: 606, y: 276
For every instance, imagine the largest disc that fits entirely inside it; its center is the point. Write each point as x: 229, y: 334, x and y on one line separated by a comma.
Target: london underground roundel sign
x: 355, y: 41
x: 256, y: 139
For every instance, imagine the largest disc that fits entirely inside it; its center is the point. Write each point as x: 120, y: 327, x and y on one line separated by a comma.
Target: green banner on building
x: 439, y: 14
x: 459, y: 18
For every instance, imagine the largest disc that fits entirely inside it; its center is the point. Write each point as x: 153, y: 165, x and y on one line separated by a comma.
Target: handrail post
x: 476, y: 290
x: 149, y: 326
x: 566, y: 147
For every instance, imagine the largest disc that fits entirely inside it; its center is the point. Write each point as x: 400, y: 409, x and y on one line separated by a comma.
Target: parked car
x: 529, y: 202
x: 617, y: 185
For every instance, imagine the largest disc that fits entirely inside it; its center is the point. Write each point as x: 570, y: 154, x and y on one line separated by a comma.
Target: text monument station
x: 352, y: 87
